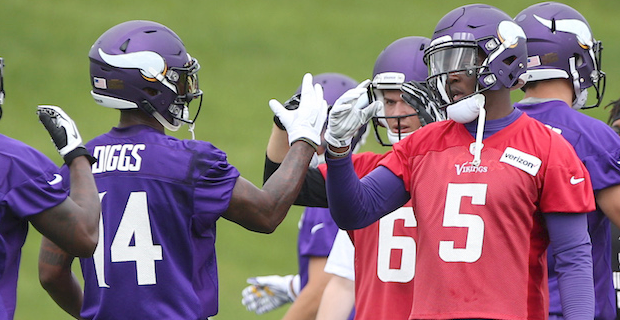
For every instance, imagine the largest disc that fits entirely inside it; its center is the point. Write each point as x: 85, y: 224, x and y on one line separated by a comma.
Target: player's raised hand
x: 349, y: 113
x: 63, y: 132
x: 291, y: 104
x: 306, y: 122
x: 420, y: 98
x: 270, y: 292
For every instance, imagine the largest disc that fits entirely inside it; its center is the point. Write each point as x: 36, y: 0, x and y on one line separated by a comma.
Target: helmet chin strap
x: 479, y: 135
x: 581, y: 96
x: 191, y: 127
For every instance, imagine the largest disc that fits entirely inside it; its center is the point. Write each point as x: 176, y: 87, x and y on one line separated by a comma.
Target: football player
x: 614, y: 122
x: 317, y: 231
x: 161, y: 197
x: 31, y: 191
x: 564, y: 62
x: 489, y: 196
x: 383, y: 277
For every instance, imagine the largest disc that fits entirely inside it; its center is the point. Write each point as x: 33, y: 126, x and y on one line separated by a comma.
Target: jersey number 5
x: 134, y: 225
x: 453, y: 218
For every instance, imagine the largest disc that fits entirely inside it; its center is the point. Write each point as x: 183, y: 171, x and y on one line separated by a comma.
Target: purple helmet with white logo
x: 560, y: 45
x: 144, y: 64
x: 469, y: 34
x: 400, y: 62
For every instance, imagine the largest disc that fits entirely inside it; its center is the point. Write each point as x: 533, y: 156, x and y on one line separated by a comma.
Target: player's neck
x: 559, y: 89
x: 497, y: 104
x: 138, y: 117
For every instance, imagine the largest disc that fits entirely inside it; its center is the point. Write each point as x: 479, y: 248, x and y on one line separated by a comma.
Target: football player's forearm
x: 284, y: 185
x: 570, y: 242
x: 277, y: 147
x: 312, y: 193
x: 262, y: 210
x: 85, y: 194
x: 57, y: 278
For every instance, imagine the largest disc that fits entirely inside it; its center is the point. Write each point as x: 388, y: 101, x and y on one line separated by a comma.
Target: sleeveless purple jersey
x: 29, y: 184
x: 598, y: 147
x: 160, y: 198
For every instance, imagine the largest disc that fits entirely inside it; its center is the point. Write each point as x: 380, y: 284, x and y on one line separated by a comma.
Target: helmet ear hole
x: 508, y: 61
x: 579, y: 61
x: 151, y: 91
x: 124, y: 46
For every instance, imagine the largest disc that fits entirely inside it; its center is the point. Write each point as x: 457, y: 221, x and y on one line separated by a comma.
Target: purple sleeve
x: 356, y: 203
x: 572, y: 249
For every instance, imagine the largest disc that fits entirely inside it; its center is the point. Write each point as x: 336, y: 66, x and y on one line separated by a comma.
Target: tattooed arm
x: 57, y: 278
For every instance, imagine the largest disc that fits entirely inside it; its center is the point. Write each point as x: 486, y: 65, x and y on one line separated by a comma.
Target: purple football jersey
x: 317, y: 232
x: 29, y: 184
x: 598, y: 147
x: 160, y: 199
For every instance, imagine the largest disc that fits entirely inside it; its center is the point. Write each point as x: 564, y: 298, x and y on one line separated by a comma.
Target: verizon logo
x: 519, y: 159
x: 466, y: 167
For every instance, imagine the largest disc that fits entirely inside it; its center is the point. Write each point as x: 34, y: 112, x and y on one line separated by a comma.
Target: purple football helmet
x: 144, y: 64
x: 468, y: 34
x: 560, y: 45
x: 400, y: 62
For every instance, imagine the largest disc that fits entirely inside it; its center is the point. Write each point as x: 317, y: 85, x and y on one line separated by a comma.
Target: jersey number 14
x: 134, y: 225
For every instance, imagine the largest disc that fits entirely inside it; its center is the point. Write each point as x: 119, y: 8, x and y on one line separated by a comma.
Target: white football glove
x: 63, y: 132
x: 306, y: 122
x: 349, y: 113
x: 270, y: 292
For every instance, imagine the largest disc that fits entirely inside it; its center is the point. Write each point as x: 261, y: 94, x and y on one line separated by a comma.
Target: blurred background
x: 250, y: 52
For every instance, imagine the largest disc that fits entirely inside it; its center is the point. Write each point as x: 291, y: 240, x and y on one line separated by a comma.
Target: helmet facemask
x: 185, y: 81
x: 496, y: 60
x: 383, y: 134
x: 454, y: 57
x: 596, y: 77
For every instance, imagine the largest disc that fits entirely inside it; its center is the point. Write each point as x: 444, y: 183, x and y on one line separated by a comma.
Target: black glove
x: 420, y: 98
x: 290, y: 104
x: 64, y: 133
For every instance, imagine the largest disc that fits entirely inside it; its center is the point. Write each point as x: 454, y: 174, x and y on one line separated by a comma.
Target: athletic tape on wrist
x: 335, y: 154
x: 308, y: 141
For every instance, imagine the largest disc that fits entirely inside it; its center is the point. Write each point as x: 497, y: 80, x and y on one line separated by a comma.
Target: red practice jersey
x: 481, y: 239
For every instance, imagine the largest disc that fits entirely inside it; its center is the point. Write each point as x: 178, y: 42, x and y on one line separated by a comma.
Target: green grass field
x: 250, y: 52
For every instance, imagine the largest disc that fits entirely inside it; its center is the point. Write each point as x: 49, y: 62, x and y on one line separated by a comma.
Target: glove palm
x: 350, y: 112
x: 63, y: 132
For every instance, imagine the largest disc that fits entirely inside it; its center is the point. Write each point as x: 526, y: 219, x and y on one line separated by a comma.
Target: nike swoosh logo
x: 574, y: 180
x: 57, y: 179
x: 316, y: 228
